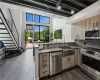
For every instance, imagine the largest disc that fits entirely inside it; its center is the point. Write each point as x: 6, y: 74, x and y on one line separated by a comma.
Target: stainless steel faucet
x: 64, y: 39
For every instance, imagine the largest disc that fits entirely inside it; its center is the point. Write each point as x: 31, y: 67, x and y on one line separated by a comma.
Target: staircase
x: 8, y: 32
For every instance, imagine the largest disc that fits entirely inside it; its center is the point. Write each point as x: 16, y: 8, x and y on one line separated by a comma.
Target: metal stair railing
x: 11, y: 27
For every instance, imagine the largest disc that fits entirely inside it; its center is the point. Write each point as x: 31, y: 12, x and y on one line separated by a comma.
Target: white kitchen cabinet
x: 74, y: 31
x: 78, y: 30
x: 68, y: 62
x: 64, y: 63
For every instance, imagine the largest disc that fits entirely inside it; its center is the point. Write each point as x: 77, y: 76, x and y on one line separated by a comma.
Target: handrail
x: 8, y: 25
x: 14, y: 25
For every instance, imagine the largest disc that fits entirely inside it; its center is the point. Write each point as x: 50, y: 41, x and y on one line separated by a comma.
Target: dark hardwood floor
x: 75, y: 74
x: 18, y: 68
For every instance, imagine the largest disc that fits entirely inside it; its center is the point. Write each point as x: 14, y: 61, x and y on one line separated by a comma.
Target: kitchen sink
x: 67, y: 51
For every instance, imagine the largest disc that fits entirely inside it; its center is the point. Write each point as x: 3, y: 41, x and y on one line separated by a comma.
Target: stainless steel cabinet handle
x: 68, y: 59
x: 93, y: 24
x: 45, y: 65
x: 44, y: 71
x: 97, y: 24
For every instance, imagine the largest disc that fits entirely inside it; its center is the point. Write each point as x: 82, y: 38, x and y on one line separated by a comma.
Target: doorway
x: 29, y: 36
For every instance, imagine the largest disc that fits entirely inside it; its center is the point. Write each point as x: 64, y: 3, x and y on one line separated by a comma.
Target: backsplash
x: 89, y: 43
x: 54, y: 45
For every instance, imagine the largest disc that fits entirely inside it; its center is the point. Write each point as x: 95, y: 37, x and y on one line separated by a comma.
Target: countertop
x: 75, y: 47
x: 92, y: 49
x: 50, y: 50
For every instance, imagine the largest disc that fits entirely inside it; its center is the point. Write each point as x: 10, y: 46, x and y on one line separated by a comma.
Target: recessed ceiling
x: 51, y: 5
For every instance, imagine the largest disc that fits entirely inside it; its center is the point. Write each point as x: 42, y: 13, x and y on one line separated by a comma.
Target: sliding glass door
x: 41, y: 33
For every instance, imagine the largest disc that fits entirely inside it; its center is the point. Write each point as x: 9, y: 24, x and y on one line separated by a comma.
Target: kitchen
x: 54, y: 59
x: 65, y: 47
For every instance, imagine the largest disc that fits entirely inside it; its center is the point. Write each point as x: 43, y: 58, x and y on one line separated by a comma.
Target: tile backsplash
x: 89, y: 43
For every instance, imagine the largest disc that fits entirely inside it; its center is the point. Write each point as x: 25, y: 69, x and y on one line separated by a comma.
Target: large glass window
x: 36, y: 18
x: 41, y: 33
x: 44, y: 19
x: 41, y: 19
x: 29, y: 17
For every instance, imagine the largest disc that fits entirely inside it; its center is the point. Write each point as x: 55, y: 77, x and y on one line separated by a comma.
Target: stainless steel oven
x: 90, y: 61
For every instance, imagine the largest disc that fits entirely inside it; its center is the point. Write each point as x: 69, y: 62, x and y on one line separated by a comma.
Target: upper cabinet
x: 79, y: 28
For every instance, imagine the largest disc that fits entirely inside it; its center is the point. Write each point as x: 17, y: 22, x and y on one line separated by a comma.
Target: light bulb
x: 72, y: 11
x: 59, y: 7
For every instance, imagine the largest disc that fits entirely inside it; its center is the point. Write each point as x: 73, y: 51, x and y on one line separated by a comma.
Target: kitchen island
x: 52, y: 61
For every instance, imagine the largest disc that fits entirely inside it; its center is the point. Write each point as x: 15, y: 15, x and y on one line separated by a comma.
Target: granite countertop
x: 50, y: 50
x: 75, y: 47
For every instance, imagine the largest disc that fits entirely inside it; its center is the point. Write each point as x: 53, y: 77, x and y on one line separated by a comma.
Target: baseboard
x: 36, y: 78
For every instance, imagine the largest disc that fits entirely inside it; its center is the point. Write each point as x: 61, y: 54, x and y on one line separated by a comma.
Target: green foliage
x: 58, y: 34
x: 28, y: 34
x: 44, y: 35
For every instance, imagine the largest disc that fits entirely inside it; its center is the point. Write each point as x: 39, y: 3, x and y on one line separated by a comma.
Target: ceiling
x: 51, y: 5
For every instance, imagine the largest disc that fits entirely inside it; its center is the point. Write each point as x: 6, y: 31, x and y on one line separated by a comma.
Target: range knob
x: 97, y: 54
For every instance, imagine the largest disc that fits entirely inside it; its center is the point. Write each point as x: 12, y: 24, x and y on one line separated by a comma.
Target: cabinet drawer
x: 44, y: 72
x: 44, y: 56
x: 44, y: 64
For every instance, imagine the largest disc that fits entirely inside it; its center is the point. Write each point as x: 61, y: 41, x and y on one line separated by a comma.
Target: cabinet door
x: 74, y: 30
x: 71, y: 60
x: 98, y: 21
x: 83, y: 25
x: 81, y: 30
x: 88, y: 24
x: 92, y: 22
x: 64, y: 63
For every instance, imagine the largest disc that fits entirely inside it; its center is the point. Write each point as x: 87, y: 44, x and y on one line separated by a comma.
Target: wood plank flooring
x: 75, y: 74
x: 18, y: 68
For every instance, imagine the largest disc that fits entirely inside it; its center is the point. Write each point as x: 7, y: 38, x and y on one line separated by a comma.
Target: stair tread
x: 11, y: 46
x: 8, y: 43
x: 6, y: 40
x: 5, y: 37
x: 4, y: 33
x: 3, y: 29
x: 1, y: 23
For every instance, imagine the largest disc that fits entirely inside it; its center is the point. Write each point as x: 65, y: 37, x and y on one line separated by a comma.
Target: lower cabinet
x: 44, y: 60
x: 68, y: 62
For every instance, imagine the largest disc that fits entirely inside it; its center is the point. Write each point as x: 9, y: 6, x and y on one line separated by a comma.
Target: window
x: 41, y: 33
x: 36, y: 18
x: 29, y: 17
x: 44, y: 19
x: 41, y: 19
x: 29, y: 27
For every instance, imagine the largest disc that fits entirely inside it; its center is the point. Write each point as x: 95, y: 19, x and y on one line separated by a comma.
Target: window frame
x: 32, y: 17
x: 29, y: 25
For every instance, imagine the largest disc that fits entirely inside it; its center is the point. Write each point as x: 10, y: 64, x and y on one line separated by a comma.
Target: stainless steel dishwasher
x: 55, y: 62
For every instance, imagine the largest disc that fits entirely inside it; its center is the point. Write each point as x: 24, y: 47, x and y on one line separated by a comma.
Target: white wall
x: 60, y: 23
x: 17, y: 17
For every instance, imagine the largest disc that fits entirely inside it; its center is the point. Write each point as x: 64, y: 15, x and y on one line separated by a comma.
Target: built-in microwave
x: 92, y: 34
